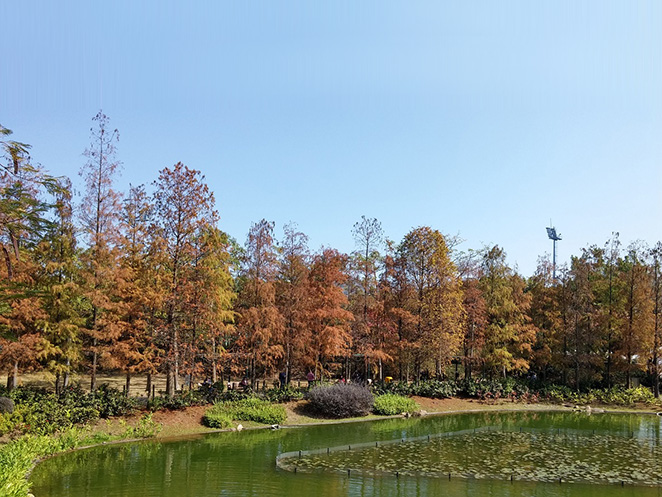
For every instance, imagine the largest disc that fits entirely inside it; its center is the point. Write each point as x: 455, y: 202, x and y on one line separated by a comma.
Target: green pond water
x: 487, y: 454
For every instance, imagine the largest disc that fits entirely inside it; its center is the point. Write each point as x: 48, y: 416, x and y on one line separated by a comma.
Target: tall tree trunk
x: 12, y: 379
x: 214, y: 366
x: 656, y: 333
x: 170, y: 381
x: 10, y: 268
x: 93, y: 375
x: 128, y: 383
x: 67, y: 375
x: 609, y: 329
x: 656, y: 373
x: 175, y: 347
x: 287, y: 363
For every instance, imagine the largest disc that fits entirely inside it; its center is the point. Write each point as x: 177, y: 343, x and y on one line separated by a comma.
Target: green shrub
x: 232, y: 395
x: 217, y: 419
x: 248, y: 409
x: 494, y: 389
x: 111, y: 402
x: 341, y: 400
x: 10, y: 423
x: 395, y: 387
x: 17, y: 456
x: 44, y: 412
x: 179, y: 401
x: 434, y: 389
x: 613, y: 396
x: 211, y: 393
x: 390, y: 404
x: 260, y: 411
x: 285, y: 394
x: 145, y: 428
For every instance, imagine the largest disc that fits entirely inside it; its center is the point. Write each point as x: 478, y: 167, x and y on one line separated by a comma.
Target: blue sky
x: 486, y: 119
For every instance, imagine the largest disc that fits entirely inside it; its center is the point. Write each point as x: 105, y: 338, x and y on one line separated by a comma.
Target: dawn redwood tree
x: 396, y: 293
x: 291, y: 296
x: 610, y: 294
x: 99, y: 212
x: 21, y: 321
x: 135, y: 350
x: 475, y: 324
x: 210, y: 290
x: 183, y: 207
x: 509, y: 335
x: 260, y: 325
x: 546, y: 315
x: 656, y: 296
x: 368, y: 311
x: 636, y: 333
x: 584, y: 319
x: 59, y: 279
x: 328, y: 319
x: 559, y: 362
x: 436, y: 299
x: 368, y: 237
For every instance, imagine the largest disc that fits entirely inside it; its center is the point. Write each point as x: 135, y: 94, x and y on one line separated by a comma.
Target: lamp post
x: 552, y: 235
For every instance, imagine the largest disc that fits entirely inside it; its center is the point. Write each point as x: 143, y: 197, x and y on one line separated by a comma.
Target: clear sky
x: 486, y: 119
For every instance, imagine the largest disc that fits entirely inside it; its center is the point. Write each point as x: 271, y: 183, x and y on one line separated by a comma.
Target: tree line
x: 144, y: 282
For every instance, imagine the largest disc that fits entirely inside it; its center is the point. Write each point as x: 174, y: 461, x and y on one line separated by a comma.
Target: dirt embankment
x: 189, y: 421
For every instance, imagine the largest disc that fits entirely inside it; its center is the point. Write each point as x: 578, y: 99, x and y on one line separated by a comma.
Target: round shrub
x: 283, y: 394
x: 215, y: 419
x: 6, y: 405
x: 390, y: 404
x: 248, y: 409
x: 341, y: 400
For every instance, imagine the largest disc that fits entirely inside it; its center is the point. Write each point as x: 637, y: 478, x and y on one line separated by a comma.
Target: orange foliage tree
x: 184, y: 208
x: 328, y: 319
x: 259, y: 343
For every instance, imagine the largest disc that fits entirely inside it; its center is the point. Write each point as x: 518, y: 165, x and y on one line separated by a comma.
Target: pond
x: 513, y: 454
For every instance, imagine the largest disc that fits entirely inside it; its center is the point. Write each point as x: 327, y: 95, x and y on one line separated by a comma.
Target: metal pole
x: 554, y: 262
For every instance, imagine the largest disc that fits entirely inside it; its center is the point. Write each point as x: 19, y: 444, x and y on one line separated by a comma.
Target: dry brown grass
x: 115, y: 380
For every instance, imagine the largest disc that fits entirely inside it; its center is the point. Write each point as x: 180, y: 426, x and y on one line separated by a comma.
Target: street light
x: 552, y: 235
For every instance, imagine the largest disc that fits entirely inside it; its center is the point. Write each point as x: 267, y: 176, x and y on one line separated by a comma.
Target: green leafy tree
x: 435, y: 301
x: 209, y: 308
x: 24, y: 220
x: 509, y: 335
x: 59, y: 279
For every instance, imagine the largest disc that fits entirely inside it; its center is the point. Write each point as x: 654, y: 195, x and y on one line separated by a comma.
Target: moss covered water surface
x: 487, y: 454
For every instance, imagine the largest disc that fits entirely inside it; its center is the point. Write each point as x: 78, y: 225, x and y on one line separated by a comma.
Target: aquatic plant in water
x: 542, y: 455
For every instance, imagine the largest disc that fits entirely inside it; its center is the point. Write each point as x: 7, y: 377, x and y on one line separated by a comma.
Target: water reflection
x: 243, y: 464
